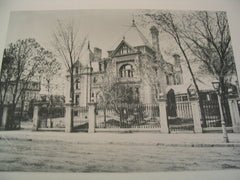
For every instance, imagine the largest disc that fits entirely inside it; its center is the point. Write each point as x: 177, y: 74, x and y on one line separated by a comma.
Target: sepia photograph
x: 119, y: 91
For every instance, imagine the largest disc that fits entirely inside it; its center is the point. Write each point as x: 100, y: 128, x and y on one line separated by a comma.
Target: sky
x: 101, y: 27
x: 104, y: 28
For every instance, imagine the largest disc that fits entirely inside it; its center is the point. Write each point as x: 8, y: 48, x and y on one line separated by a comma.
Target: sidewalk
x: 157, y: 139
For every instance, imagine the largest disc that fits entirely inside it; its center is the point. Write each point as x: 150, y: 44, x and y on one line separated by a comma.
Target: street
x: 36, y: 155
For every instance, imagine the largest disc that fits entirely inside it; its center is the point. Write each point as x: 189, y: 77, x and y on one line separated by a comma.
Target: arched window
x: 126, y: 70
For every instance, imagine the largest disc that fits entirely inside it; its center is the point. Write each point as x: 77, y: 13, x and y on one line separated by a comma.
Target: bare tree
x: 207, y: 36
x: 49, y: 72
x: 150, y: 71
x: 69, y: 46
x: 210, y: 41
x: 108, y: 94
x: 113, y: 94
x: 6, y: 74
x: 23, y: 63
x: 171, y: 24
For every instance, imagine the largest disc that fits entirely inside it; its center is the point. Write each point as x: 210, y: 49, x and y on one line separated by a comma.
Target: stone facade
x: 123, y: 66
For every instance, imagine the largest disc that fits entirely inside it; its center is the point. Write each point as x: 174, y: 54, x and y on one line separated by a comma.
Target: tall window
x: 77, y: 99
x: 100, y: 67
x: 76, y: 70
x: 168, y: 82
x: 94, y: 79
x: 77, y: 83
x: 105, y: 66
x: 126, y: 71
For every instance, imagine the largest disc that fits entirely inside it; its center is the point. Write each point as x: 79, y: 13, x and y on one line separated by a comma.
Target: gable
x: 122, y: 49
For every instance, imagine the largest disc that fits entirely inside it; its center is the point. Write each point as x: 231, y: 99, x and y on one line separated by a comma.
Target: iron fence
x: 80, y: 120
x: 43, y: 116
x: 184, y: 119
x: 212, y: 113
x: 14, y: 118
x: 184, y: 110
x: 128, y: 116
x: 51, y: 117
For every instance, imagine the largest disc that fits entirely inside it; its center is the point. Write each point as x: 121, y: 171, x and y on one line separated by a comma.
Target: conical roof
x: 86, y: 56
x: 134, y: 37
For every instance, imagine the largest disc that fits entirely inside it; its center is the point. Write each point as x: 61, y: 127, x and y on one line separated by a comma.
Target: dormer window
x: 126, y: 70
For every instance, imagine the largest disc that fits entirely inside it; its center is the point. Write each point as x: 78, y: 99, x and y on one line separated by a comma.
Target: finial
x: 133, y: 21
x: 123, y: 37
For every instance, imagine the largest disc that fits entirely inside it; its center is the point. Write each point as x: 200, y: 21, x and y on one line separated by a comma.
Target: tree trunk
x: 224, y: 102
x: 196, y: 87
x: 11, y: 116
x: 72, y: 98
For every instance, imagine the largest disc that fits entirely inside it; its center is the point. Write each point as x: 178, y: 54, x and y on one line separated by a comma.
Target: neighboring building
x: 31, y: 91
x: 123, y: 63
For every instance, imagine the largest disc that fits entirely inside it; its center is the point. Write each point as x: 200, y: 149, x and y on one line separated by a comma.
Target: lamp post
x: 217, y: 88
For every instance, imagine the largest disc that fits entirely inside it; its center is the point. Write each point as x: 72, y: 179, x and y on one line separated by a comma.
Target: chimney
x: 97, y: 53
x: 155, y: 39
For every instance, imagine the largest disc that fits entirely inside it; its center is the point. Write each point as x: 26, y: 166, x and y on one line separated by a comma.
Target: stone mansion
x: 122, y: 65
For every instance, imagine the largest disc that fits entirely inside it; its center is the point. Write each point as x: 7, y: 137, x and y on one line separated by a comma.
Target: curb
x: 130, y: 143
x: 201, y: 145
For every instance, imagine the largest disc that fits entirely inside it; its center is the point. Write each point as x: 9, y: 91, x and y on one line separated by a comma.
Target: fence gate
x: 14, y: 118
x: 43, y: 116
x: 80, y: 118
x: 183, y: 121
x: 122, y: 116
x: 51, y: 116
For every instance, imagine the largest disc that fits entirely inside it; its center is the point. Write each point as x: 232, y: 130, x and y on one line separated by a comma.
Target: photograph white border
x: 233, y: 11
